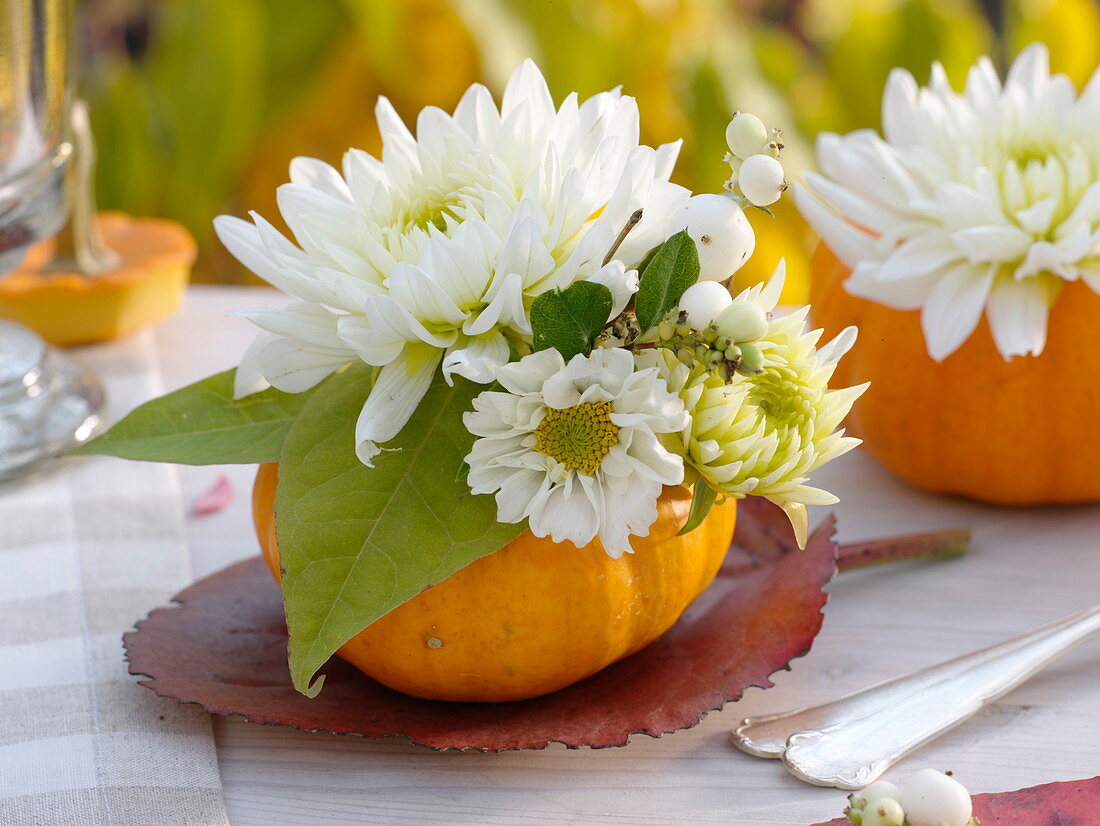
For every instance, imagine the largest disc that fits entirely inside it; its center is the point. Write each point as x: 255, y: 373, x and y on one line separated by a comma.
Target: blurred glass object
x: 48, y: 402
x: 34, y: 103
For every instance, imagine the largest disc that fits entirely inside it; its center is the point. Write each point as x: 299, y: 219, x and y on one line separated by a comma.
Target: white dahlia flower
x: 432, y: 255
x: 985, y: 200
x: 573, y: 447
x: 763, y: 433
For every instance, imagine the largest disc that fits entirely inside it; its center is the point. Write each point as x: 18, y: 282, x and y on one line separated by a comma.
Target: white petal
x: 393, y: 399
x: 991, y: 243
x: 850, y: 244
x: 622, y: 283
x: 249, y: 377
x: 954, y: 308
x: 1018, y: 317
x: 476, y: 358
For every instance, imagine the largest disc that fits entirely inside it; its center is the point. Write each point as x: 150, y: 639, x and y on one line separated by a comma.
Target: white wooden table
x: 1025, y: 568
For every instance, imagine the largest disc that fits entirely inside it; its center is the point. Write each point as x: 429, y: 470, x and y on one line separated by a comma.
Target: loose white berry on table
x: 703, y: 302
x: 746, y: 134
x: 743, y: 321
x: 761, y: 179
x: 931, y: 798
x: 883, y: 811
x: 721, y: 233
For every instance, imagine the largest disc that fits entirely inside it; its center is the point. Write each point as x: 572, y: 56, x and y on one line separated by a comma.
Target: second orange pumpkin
x: 1021, y: 432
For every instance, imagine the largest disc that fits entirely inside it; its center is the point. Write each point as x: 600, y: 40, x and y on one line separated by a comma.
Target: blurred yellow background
x: 199, y: 105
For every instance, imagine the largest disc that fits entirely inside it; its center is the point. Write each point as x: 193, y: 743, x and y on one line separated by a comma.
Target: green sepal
x: 202, y: 424
x: 673, y: 268
x: 357, y: 542
x: 569, y: 320
x: 702, y: 500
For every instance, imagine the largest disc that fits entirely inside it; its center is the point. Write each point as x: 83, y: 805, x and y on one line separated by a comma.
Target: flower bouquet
x: 964, y: 245
x: 503, y: 427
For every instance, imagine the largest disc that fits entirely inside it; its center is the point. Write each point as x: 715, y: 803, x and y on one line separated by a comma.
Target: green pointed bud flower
x: 665, y: 330
x: 710, y: 335
x: 714, y: 358
x: 724, y: 344
x: 746, y: 135
x: 732, y: 353
x: 743, y: 321
x: 764, y: 433
x: 752, y: 359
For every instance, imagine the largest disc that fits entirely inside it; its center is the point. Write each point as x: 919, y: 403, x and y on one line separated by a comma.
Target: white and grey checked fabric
x: 84, y: 553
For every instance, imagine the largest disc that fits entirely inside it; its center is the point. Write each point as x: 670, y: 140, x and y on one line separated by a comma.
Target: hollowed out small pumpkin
x: 1019, y: 432
x: 536, y: 615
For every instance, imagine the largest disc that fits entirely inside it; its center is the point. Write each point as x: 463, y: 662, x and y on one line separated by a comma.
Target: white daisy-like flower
x: 764, y: 433
x: 432, y: 255
x: 985, y: 200
x: 573, y: 447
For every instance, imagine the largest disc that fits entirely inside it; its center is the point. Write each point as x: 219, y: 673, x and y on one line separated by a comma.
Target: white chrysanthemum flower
x: 573, y: 447
x: 764, y: 434
x: 984, y: 200
x: 432, y: 255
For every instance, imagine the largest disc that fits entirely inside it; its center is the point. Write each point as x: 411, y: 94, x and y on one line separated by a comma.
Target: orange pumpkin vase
x: 1019, y: 432
x: 534, y: 616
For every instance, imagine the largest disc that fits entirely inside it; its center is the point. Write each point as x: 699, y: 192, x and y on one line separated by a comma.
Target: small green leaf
x: 202, y: 424
x: 702, y: 500
x: 357, y: 542
x: 673, y: 269
x: 569, y: 320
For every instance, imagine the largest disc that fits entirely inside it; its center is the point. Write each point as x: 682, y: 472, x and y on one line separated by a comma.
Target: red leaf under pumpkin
x: 224, y: 647
x: 1075, y: 803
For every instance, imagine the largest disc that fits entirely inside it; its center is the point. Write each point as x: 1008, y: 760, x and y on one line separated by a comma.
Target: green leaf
x: 202, y: 424
x: 570, y: 319
x: 357, y: 542
x: 673, y: 269
x: 702, y: 500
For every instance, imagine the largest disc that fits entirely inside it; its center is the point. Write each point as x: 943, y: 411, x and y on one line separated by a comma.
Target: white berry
x: 880, y: 789
x: 746, y: 134
x: 884, y: 811
x: 931, y: 798
x: 743, y: 321
x: 721, y: 232
x: 761, y: 179
x: 703, y: 301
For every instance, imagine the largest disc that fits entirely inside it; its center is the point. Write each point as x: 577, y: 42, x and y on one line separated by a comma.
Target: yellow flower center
x: 579, y: 437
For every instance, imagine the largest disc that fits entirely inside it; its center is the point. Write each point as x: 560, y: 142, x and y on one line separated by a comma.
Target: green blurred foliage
x: 198, y: 105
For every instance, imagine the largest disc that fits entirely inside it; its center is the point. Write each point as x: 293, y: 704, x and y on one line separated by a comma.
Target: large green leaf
x: 357, y: 542
x: 673, y: 268
x: 202, y: 424
x: 569, y: 320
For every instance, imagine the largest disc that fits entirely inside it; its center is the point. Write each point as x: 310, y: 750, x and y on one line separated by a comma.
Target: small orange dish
x: 68, y: 308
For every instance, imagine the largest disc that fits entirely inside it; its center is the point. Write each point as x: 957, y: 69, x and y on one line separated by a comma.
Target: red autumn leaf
x: 1075, y: 803
x: 224, y: 647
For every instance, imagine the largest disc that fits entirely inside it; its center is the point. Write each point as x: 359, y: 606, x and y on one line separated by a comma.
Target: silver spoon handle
x: 850, y: 742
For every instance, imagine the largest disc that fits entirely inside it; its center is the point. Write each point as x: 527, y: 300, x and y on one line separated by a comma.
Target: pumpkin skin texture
x: 534, y: 616
x: 1019, y: 432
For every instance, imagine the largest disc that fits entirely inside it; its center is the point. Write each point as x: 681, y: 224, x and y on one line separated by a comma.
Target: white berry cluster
x: 757, y: 174
x: 929, y: 798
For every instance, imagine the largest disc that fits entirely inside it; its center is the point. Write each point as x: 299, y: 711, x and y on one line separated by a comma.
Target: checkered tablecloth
x: 85, y: 553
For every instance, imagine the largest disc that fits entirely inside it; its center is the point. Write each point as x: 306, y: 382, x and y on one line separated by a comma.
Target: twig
x: 938, y: 545
x: 631, y: 222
